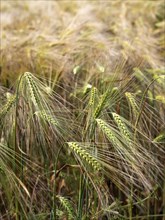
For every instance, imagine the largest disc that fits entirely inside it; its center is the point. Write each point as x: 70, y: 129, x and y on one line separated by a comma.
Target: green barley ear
x: 160, y: 138
x: 121, y: 125
x: 131, y: 99
x: 101, y: 104
x: 8, y: 105
x: 34, y: 92
x: 85, y: 155
x: 160, y: 79
x: 93, y: 96
x: 67, y: 206
x: 150, y: 96
x: 47, y: 117
x: 105, y: 128
x: 160, y: 98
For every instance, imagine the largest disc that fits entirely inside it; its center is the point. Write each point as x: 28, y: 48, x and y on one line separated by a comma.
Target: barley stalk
x: 85, y: 155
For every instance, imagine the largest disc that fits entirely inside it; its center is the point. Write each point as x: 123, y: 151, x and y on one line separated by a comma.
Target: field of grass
x: 82, y: 110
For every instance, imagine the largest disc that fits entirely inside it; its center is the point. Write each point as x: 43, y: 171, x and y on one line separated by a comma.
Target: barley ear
x: 160, y: 138
x: 34, y: 92
x: 5, y: 109
x: 47, y: 117
x: 67, y: 206
x: 105, y: 128
x: 131, y: 99
x: 121, y: 125
x: 85, y: 155
x: 101, y: 104
x: 92, y: 96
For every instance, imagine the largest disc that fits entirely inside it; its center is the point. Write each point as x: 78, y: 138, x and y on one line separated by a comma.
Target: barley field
x: 82, y: 110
